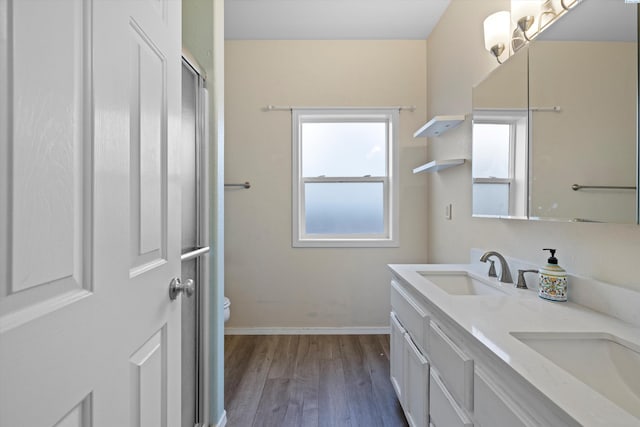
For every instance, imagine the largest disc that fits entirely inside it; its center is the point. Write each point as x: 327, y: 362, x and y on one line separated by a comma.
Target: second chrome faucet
x: 505, y: 274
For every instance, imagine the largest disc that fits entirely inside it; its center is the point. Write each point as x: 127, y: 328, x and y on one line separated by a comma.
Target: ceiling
x: 331, y: 19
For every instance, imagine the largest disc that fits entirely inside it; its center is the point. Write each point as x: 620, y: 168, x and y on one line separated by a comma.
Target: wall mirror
x: 582, y: 117
x: 500, y: 134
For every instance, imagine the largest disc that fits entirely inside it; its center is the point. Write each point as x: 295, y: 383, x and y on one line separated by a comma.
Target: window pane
x: 344, y: 149
x: 491, y: 150
x: 344, y: 208
x: 491, y: 199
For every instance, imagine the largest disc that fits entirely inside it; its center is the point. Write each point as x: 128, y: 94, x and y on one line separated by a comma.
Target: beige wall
x: 456, y: 61
x: 271, y: 284
x: 599, y: 124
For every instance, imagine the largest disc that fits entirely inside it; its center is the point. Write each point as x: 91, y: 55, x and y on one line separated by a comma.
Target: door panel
x: 148, y: 153
x: 79, y: 416
x: 42, y: 118
x: 45, y: 203
x: 149, y: 382
x: 89, y: 213
x: 46, y: 141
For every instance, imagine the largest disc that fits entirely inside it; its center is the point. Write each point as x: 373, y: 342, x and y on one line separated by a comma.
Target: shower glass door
x: 195, y: 246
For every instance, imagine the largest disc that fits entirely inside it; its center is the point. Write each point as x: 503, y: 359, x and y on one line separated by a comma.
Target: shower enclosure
x: 195, y: 241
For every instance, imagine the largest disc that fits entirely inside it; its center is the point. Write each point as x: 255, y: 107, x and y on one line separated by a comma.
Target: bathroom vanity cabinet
x: 409, y: 365
x: 445, y: 377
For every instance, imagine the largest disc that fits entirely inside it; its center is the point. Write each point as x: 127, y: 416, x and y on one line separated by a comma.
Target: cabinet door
x: 416, y: 383
x: 444, y: 411
x: 493, y: 406
x: 413, y: 316
x: 453, y: 364
x: 397, y: 357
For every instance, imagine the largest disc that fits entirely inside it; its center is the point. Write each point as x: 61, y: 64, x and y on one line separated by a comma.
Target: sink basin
x: 607, y: 364
x: 459, y: 283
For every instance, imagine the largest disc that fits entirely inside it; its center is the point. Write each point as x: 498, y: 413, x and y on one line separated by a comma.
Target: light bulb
x: 525, y: 13
x: 496, y: 29
x: 522, y: 8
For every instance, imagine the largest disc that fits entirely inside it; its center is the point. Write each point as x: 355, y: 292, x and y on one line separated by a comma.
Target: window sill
x: 346, y: 243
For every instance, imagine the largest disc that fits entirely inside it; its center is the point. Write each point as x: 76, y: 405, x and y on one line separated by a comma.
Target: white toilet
x: 227, y: 309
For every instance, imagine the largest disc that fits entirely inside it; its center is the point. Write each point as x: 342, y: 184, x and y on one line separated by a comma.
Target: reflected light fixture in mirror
x: 559, y: 5
x: 529, y: 17
x: 525, y: 14
x: 497, y: 28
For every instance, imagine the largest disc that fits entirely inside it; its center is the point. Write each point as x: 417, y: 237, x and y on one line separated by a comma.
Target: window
x: 344, y: 187
x: 492, y: 166
x: 499, y: 164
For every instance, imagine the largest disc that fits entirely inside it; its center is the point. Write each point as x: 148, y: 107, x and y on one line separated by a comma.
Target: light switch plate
x: 447, y: 211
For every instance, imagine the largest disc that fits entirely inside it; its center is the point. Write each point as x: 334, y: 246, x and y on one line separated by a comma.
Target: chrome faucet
x: 505, y: 274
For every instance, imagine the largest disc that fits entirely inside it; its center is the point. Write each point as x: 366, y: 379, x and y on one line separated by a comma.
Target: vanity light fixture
x: 496, y: 33
x: 529, y: 18
x: 525, y: 14
x: 559, y: 5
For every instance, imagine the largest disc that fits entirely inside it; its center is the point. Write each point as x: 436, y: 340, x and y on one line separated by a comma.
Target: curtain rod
x: 290, y: 107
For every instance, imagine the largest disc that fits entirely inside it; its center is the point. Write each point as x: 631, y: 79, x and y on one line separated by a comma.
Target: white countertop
x: 491, y: 319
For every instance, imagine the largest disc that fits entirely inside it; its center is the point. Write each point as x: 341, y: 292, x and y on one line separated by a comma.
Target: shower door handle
x: 194, y: 253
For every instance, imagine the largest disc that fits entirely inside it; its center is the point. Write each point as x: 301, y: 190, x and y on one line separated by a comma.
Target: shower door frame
x: 201, y: 252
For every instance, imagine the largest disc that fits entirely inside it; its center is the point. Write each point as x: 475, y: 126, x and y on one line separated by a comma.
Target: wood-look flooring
x: 309, y: 381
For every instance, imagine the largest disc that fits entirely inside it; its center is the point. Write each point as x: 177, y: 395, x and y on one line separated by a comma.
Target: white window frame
x: 390, y: 236
x: 512, y: 145
x: 514, y: 120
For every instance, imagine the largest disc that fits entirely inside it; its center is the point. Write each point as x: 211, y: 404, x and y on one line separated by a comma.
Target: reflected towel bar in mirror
x: 576, y: 187
x: 243, y: 185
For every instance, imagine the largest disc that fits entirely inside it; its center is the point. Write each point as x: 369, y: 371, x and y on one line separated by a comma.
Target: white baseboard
x: 364, y: 330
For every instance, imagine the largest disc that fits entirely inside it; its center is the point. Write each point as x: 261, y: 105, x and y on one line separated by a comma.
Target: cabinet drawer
x: 492, y: 408
x: 412, y: 315
x: 455, y: 367
x: 443, y: 408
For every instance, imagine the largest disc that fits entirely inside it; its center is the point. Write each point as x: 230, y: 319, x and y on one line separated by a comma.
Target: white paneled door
x: 89, y: 213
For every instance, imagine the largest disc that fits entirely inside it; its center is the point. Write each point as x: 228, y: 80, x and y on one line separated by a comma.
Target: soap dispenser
x: 552, y: 280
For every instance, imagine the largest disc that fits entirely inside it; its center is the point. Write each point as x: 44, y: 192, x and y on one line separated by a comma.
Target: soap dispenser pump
x: 552, y: 280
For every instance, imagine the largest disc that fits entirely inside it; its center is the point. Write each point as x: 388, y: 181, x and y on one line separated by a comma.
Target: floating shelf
x: 439, y: 125
x: 438, y: 165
